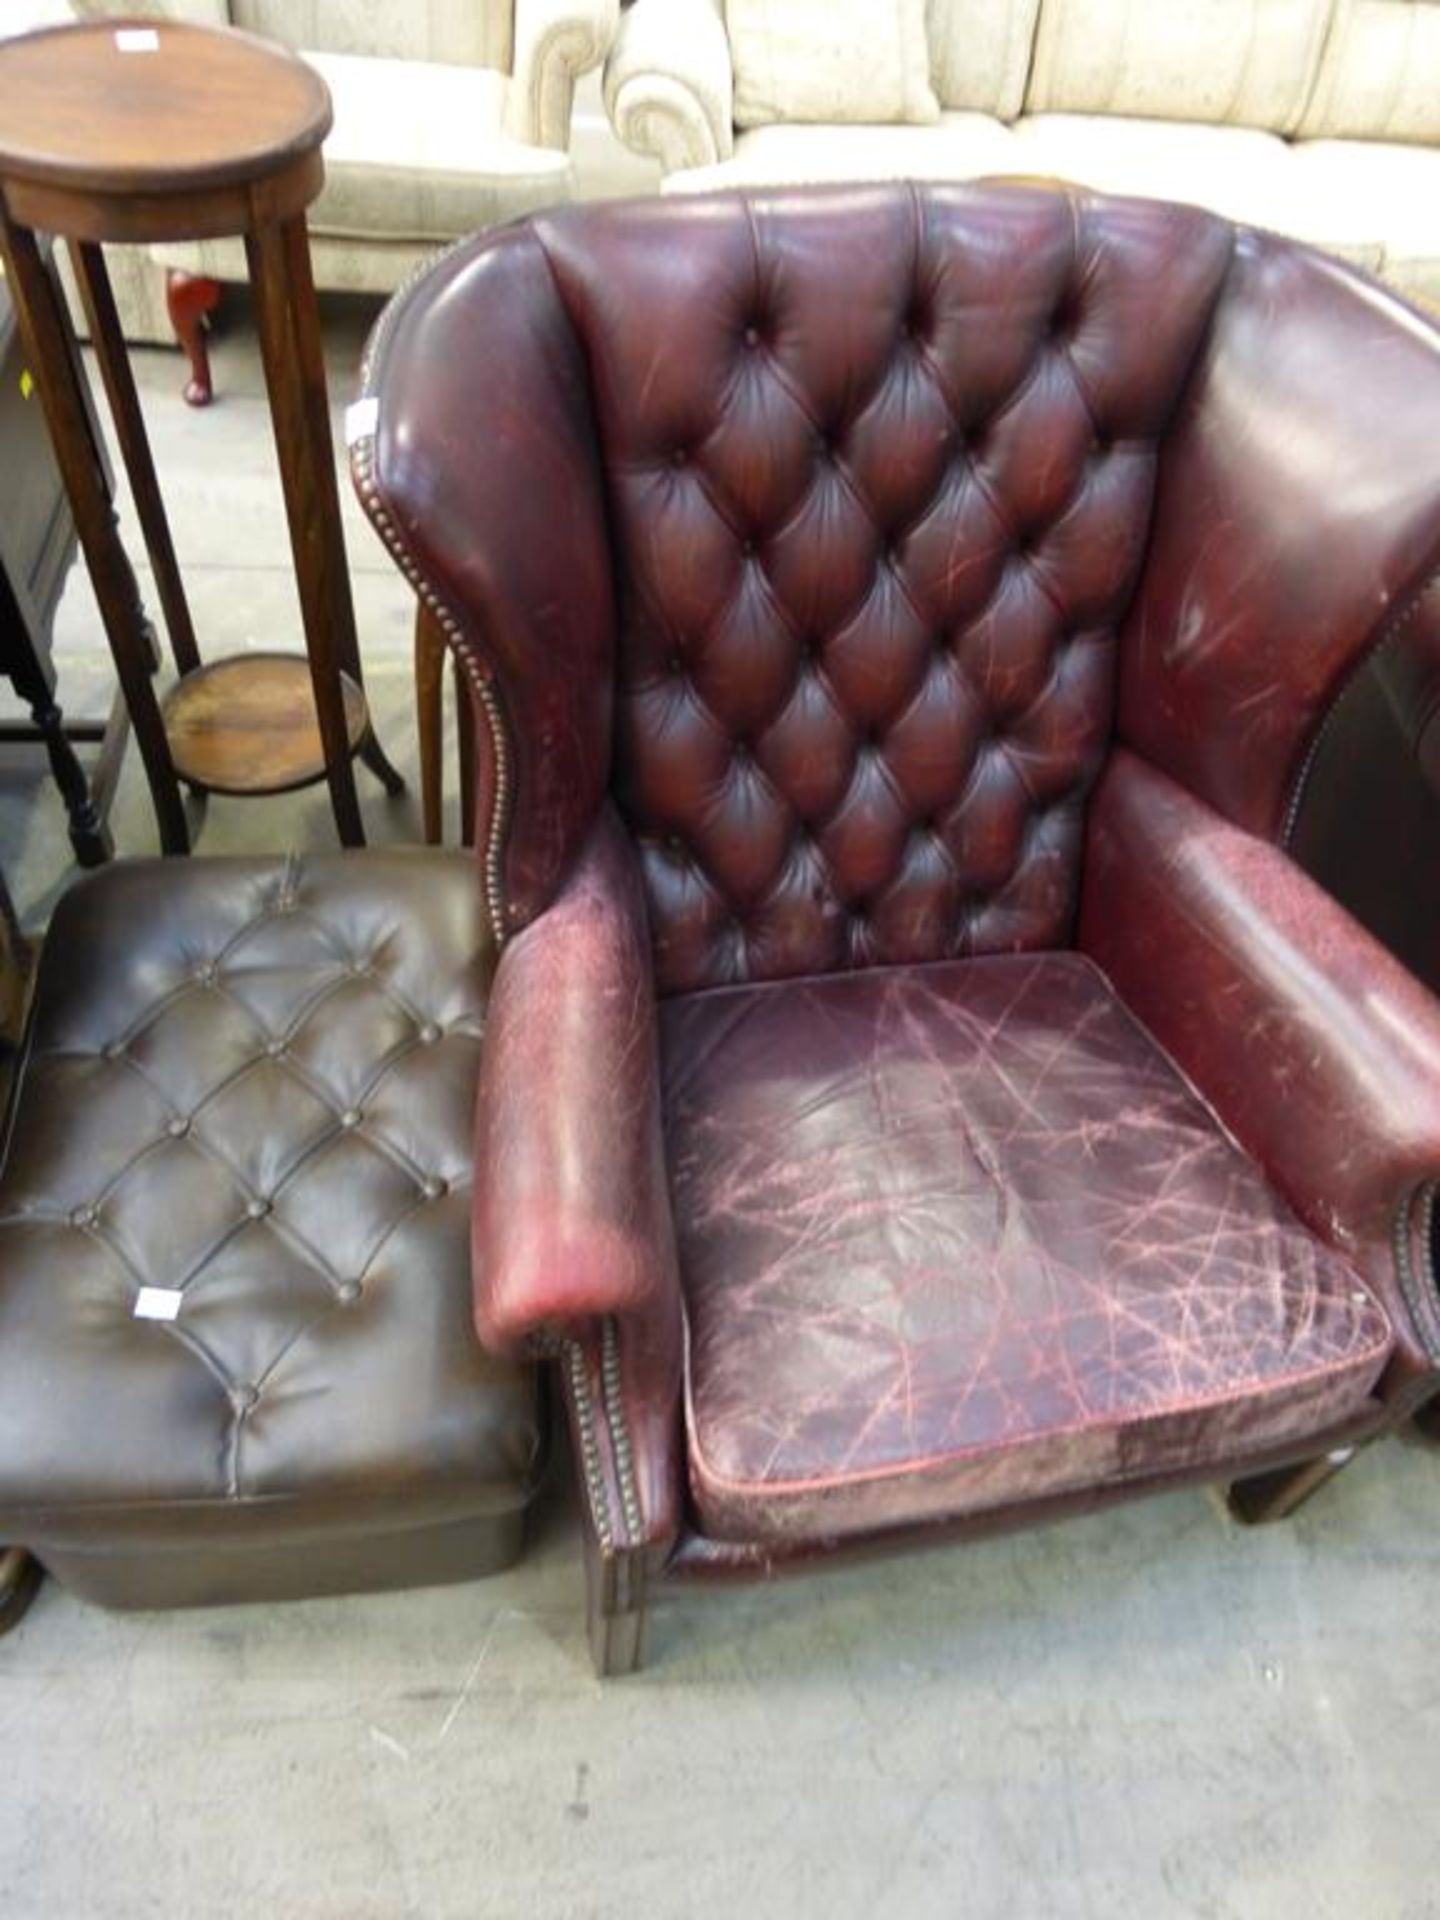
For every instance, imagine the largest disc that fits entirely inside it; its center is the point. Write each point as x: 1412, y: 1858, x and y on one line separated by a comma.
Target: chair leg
x: 19, y: 1581
x: 188, y: 298
x: 429, y: 694
x: 615, y: 1589
x: 1275, y: 1496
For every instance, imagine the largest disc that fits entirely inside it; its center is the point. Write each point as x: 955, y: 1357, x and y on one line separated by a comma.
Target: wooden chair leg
x: 1275, y: 1496
x: 19, y: 1581
x: 429, y: 696
x: 188, y: 298
x: 465, y: 733
x: 615, y: 1593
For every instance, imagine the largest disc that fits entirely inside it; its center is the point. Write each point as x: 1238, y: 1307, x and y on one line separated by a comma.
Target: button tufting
x: 243, y: 1398
x: 205, y: 976
x: 429, y: 1034
x: 274, y: 1048
x: 359, y: 968
x: 178, y: 1127
x: 348, y: 1292
x: 747, y: 547
x: 433, y: 1188
x: 257, y: 1209
x: 752, y: 336
x: 83, y: 1217
x: 113, y: 1050
x: 679, y: 457
x: 674, y: 664
x: 350, y: 1117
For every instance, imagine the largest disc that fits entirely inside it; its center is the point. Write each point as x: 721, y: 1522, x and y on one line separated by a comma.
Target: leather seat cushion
x: 251, y: 1083
x: 958, y: 1235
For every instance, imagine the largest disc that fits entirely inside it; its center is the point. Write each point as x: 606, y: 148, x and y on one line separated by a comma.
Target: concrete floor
x: 1149, y: 1712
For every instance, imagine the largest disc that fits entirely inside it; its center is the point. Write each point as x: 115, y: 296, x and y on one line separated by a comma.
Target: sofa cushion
x: 1390, y: 191
x: 961, y: 146
x: 250, y: 1085
x: 419, y: 152
x: 980, y: 53
x: 1237, y: 62
x: 1380, y: 77
x: 458, y: 32
x: 961, y: 1235
x: 829, y: 60
x: 1246, y: 175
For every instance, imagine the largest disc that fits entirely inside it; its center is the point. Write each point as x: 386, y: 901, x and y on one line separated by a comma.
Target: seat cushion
x: 1240, y: 172
x: 960, y: 1235
x: 962, y: 146
x: 250, y: 1085
x: 419, y: 152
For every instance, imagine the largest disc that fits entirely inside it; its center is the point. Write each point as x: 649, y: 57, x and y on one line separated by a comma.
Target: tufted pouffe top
x: 249, y: 1086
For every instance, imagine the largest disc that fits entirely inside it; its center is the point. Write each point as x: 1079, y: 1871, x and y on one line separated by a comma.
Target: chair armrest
x: 572, y: 1219
x: 1315, y: 1047
x: 200, y: 13
x: 573, y: 1240
x: 555, y: 42
x: 669, y: 84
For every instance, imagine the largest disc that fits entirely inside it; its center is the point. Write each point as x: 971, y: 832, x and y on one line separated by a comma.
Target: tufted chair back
x: 877, y: 512
x: 864, y: 493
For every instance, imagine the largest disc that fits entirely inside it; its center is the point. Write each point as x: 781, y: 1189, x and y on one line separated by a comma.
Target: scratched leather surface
x: 957, y: 1236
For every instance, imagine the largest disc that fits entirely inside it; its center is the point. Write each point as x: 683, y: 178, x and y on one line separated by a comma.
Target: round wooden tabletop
x: 154, y: 107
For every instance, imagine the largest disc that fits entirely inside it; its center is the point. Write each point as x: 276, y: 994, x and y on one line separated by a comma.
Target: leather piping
x: 590, y: 1462
x: 1419, y: 1287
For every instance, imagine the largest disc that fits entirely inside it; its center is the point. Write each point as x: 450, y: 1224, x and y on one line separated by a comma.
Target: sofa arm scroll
x: 1317, y: 1049
x: 556, y: 41
x: 669, y: 86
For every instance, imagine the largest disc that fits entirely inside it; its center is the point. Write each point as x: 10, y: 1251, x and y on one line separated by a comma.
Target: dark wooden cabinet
x: 37, y: 546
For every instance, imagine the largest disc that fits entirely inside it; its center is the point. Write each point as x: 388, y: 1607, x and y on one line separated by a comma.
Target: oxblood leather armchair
x: 917, y: 1088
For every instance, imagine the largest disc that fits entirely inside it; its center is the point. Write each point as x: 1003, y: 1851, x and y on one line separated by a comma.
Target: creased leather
x: 572, y: 1220
x: 251, y: 1080
x: 1298, y: 506
x: 879, y: 469
x: 1319, y: 1051
x: 958, y: 1236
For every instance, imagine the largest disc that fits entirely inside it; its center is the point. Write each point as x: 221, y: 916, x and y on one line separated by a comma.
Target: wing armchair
x: 919, y: 1090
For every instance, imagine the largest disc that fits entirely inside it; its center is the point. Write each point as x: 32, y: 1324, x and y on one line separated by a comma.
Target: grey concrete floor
x: 1148, y: 1712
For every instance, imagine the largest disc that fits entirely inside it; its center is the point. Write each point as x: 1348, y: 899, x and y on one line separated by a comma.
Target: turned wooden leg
x: 19, y: 1580
x: 429, y: 695
x: 188, y: 298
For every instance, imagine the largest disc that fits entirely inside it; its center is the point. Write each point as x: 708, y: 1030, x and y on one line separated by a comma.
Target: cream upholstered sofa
x: 1318, y: 118
x: 449, y: 115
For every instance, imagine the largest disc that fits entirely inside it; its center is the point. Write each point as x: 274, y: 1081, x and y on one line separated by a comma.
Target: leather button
x: 679, y: 457
x: 243, y: 1398
x: 274, y: 1048
x: 429, y: 1034
x: 747, y: 547
x: 83, y: 1217
x: 674, y: 664
x: 359, y: 968
x: 257, y: 1209
x: 205, y: 976
x: 348, y: 1292
x: 113, y: 1050
x: 752, y: 336
x: 350, y: 1117
x: 178, y: 1128
x: 433, y: 1188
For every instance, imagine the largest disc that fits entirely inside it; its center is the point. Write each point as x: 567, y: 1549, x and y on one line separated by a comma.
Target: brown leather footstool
x: 236, y: 1352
